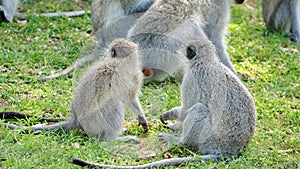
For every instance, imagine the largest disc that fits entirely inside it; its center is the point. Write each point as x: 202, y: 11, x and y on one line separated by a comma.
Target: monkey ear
x: 191, y: 52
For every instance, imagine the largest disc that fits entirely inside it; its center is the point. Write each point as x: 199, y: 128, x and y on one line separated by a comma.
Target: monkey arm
x: 172, y: 114
x: 135, y: 106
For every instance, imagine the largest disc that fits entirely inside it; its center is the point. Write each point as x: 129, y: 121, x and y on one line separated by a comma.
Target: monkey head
x: 119, y: 49
x: 200, y: 50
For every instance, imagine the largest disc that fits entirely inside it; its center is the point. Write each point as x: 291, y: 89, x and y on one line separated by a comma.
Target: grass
x: 30, y: 49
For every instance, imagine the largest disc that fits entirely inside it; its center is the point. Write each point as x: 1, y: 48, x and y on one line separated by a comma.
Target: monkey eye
x: 113, y: 53
x: 190, y: 52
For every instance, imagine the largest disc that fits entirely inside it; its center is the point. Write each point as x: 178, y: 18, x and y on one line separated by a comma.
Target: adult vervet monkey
x: 97, y: 104
x: 283, y: 15
x: 169, y: 24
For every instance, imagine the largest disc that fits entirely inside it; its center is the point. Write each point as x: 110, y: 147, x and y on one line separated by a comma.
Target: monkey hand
x: 143, y: 122
x: 162, y: 119
x: 170, y: 115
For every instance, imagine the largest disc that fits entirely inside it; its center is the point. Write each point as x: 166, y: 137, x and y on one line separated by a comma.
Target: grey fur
x: 8, y: 9
x: 217, y: 115
x: 97, y: 105
x: 169, y: 24
x: 283, y: 15
x: 111, y: 19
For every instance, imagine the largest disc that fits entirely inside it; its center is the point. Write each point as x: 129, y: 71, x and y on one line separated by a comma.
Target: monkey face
x: 239, y: 1
x: 121, y: 48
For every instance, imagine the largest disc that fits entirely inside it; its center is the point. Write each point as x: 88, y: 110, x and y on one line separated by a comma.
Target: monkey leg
x: 196, y: 126
x: 105, y: 123
x: 192, y: 125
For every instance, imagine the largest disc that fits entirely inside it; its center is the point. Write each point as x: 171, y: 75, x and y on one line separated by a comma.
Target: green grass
x: 31, y: 49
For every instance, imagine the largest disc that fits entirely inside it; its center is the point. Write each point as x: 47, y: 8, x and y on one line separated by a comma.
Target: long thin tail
x: 16, y: 115
x: 73, y: 66
x: 162, y: 163
x: 68, y: 125
x: 166, y: 162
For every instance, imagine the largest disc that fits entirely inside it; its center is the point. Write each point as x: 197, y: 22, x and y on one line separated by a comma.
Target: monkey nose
x: 147, y: 72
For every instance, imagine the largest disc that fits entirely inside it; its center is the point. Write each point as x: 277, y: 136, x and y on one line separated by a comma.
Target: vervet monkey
x: 111, y: 19
x: 283, y: 15
x: 169, y: 24
x: 217, y: 115
x: 97, y: 104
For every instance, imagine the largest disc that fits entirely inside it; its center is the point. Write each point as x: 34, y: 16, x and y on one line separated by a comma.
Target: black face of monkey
x: 113, y: 53
x: 191, y: 52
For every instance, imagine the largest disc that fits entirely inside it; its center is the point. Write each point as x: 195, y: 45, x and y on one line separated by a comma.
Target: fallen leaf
x: 76, y: 145
x: 286, y: 151
x: 167, y: 155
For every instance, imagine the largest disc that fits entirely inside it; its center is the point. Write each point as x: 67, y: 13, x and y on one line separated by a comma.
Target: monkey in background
x: 283, y: 15
x: 169, y: 24
x: 97, y: 104
x: 111, y: 19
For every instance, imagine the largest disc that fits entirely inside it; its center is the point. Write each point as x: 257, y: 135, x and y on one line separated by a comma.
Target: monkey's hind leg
x: 196, y: 125
x: 192, y: 125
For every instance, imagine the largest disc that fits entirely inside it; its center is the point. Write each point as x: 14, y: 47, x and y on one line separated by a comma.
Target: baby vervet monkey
x: 217, y: 115
x: 111, y: 19
x: 283, y: 15
x: 97, y: 104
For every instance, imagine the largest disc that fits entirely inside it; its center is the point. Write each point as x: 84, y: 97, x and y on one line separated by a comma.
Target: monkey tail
x: 166, y: 162
x: 162, y: 163
x: 76, y: 64
x: 67, y: 125
x: 16, y: 115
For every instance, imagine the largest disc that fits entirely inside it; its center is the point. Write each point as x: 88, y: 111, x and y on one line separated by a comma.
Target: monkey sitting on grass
x: 97, y: 105
x: 217, y: 115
